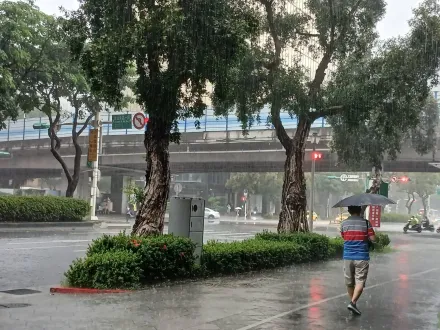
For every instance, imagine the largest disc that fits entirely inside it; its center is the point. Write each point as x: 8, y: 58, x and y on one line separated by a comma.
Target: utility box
x: 187, y: 219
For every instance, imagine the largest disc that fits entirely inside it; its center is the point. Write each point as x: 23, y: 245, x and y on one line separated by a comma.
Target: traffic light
x: 146, y: 120
x: 404, y: 179
x: 243, y: 199
x: 316, y: 155
x: 41, y: 126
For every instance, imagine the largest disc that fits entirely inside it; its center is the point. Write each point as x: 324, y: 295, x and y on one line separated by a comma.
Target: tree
x: 274, y: 72
x: 61, y: 77
x: 424, y: 136
x: 177, y: 47
x: 266, y: 184
x: 23, y: 38
x: 422, y: 184
x: 384, y: 94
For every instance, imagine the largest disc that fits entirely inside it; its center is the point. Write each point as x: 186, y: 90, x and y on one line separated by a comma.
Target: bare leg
x: 358, y: 289
x: 350, y: 290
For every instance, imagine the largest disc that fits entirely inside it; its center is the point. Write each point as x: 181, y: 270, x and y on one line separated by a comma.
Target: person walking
x: 357, y: 232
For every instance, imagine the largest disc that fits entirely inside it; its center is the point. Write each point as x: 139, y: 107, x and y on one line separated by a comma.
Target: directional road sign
x: 121, y: 121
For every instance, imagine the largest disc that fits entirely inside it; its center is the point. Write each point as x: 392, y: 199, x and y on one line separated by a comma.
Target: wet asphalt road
x: 32, y: 258
x: 402, y: 293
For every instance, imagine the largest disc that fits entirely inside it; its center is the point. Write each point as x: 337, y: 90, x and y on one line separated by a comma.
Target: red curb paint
x: 85, y: 290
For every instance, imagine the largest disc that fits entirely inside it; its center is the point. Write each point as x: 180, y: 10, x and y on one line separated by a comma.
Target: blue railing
x: 22, y: 128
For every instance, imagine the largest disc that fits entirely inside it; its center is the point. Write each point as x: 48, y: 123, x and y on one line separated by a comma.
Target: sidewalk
x: 402, y: 294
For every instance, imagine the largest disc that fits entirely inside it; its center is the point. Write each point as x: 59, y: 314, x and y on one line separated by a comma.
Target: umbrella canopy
x: 363, y: 200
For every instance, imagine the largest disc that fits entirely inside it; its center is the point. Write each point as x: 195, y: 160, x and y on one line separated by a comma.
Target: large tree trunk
x: 293, y: 216
x: 424, y: 200
x: 150, y: 217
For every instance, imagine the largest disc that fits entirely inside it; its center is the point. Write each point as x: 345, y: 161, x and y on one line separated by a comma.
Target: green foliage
x: 107, y: 270
x: 422, y: 184
x: 394, y: 217
x: 382, y: 241
x: 237, y: 257
x: 424, y: 136
x: 336, y: 247
x: 24, y: 35
x: 134, y: 193
x: 42, y: 209
x: 384, y: 102
x: 160, y: 257
x: 217, y: 203
x: 317, y: 245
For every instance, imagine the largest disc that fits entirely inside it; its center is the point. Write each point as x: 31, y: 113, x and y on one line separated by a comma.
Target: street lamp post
x: 95, y: 167
x: 315, y: 156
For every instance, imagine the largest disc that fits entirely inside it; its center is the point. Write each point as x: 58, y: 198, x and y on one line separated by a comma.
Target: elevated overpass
x: 202, y: 151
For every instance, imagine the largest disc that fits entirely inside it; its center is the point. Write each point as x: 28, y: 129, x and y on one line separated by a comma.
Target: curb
x: 83, y: 224
x: 85, y: 291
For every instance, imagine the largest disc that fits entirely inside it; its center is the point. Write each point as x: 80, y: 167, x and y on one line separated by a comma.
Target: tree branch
x: 55, y: 144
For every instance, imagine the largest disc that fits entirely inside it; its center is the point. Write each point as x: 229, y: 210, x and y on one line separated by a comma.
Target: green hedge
x: 317, y: 245
x: 42, y: 209
x: 395, y: 217
x: 253, y: 254
x: 151, y: 259
x: 382, y: 241
x: 123, y: 261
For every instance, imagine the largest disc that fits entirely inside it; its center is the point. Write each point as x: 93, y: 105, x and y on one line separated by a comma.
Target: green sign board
x: 121, y: 121
x: 383, y: 189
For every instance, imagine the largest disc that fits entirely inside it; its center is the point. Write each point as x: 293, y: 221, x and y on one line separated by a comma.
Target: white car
x: 211, y: 214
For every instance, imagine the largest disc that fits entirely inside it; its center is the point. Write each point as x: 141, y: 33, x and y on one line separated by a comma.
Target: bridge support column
x: 117, y: 195
x: 83, y: 188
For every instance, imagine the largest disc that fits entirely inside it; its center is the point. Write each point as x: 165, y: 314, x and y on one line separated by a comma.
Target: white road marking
x: 256, y: 324
x: 79, y: 250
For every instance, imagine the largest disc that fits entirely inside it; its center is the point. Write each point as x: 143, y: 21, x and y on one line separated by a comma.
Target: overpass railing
x: 22, y: 128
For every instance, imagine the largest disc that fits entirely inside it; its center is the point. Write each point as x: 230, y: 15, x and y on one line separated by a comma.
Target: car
x: 315, y: 215
x: 342, y: 216
x: 211, y: 214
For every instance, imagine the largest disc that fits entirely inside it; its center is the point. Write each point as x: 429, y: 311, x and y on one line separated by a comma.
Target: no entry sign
x: 139, y: 120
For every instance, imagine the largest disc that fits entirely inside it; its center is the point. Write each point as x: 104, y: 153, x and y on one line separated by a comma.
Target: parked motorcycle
x: 417, y: 227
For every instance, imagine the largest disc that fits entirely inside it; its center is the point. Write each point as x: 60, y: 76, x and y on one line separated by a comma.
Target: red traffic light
x: 243, y: 199
x: 146, y: 120
x: 404, y: 179
x: 316, y: 155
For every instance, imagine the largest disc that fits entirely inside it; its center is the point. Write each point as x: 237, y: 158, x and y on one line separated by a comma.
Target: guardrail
x: 22, y: 128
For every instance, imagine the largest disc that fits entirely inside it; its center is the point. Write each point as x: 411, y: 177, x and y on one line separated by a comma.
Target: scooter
x: 438, y: 230
x: 427, y: 226
x: 417, y: 227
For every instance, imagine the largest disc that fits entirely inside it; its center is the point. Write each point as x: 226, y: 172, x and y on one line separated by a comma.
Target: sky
x: 394, y: 23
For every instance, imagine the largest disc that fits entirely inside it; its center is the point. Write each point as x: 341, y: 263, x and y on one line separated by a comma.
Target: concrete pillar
x: 83, y: 189
x: 117, y: 195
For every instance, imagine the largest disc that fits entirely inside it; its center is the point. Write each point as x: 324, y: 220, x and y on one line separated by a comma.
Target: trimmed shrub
x: 160, y: 257
x: 395, y: 217
x: 382, y: 240
x: 42, y: 209
x: 110, y: 270
x: 336, y: 247
x: 317, y: 245
x: 253, y: 254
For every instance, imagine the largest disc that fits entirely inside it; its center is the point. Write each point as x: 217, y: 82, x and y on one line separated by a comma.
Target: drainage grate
x: 21, y: 292
x: 14, y: 305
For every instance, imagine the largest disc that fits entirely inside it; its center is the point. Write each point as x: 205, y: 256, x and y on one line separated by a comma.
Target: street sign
x: 92, y: 155
x: 139, y: 120
x: 394, y: 179
x: 178, y: 188
x: 121, y: 121
x: 349, y: 177
x: 245, y: 193
x: 374, y: 215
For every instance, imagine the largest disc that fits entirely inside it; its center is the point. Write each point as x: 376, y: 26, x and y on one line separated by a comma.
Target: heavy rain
x: 219, y: 164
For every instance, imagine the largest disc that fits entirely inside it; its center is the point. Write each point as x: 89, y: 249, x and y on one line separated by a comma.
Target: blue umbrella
x: 363, y: 200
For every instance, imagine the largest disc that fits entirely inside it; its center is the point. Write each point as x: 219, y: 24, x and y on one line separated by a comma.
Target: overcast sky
x: 394, y: 23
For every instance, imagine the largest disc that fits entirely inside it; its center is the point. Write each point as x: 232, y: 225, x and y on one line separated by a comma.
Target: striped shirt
x: 355, y: 231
